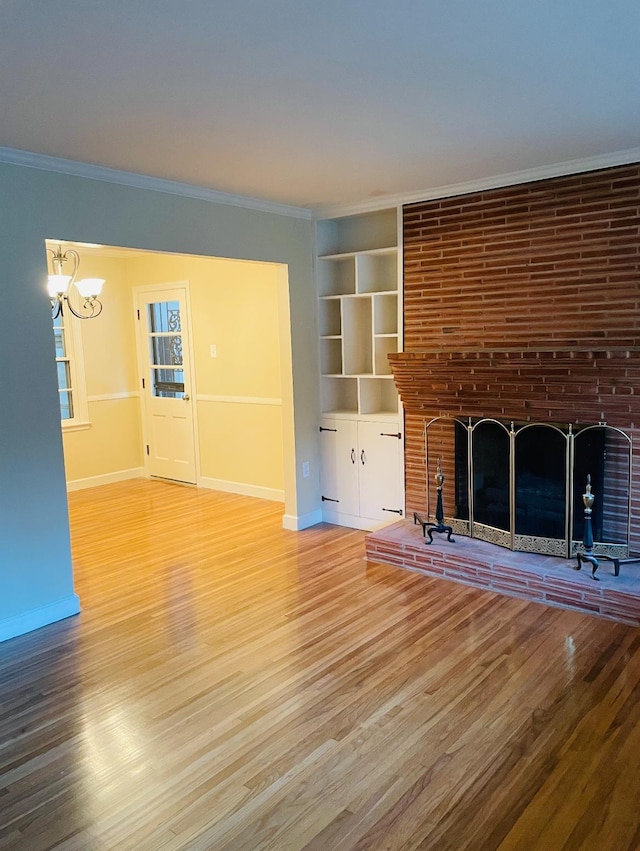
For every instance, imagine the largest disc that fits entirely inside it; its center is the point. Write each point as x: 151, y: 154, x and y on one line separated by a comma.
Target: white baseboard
x: 105, y: 479
x: 27, y: 622
x: 295, y: 523
x: 241, y: 488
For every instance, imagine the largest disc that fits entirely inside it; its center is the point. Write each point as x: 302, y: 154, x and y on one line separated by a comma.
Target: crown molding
x: 632, y: 155
x: 58, y: 165
x: 43, y: 162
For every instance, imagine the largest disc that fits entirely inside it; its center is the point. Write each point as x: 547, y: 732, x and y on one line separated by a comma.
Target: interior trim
x: 298, y: 522
x: 145, y: 181
x: 529, y: 175
x: 105, y: 479
x: 239, y: 400
x: 272, y: 494
x: 35, y: 618
x: 113, y: 397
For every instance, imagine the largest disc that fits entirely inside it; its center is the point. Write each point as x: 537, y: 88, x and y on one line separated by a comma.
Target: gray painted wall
x: 35, y: 561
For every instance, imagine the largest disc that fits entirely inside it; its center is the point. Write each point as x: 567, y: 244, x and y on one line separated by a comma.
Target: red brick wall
x: 553, y: 263
x: 523, y: 303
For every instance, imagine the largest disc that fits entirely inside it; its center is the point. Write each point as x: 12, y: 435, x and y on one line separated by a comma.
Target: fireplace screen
x: 521, y: 485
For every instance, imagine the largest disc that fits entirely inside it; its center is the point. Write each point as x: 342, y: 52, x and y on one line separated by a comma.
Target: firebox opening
x: 520, y: 485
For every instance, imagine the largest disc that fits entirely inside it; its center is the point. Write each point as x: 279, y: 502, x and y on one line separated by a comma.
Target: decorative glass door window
x: 165, y: 350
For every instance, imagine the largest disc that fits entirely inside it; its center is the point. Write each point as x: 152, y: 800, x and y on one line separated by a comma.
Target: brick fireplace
x: 523, y: 303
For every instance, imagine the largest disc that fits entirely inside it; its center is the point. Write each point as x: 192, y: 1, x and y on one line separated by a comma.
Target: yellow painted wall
x: 234, y: 306
x: 242, y: 443
x: 109, y: 341
x: 113, y: 442
x: 111, y: 445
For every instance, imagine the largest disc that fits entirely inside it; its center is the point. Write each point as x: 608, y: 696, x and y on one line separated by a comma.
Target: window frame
x: 72, y: 335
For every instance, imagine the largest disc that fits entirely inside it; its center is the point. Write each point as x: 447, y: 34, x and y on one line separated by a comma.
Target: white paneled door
x: 162, y: 320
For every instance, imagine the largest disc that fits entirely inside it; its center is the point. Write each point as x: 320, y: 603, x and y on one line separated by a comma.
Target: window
x: 63, y: 363
x: 69, y: 364
x: 165, y: 349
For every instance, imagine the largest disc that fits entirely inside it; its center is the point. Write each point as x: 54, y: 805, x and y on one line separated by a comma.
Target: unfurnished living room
x: 319, y: 478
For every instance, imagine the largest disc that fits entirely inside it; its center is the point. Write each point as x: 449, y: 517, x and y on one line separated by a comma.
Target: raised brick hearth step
x: 542, y: 579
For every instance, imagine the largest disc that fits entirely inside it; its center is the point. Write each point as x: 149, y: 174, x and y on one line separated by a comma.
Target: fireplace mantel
x: 576, y: 386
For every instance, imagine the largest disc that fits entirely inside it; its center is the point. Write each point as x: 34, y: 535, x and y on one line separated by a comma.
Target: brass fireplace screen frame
x: 442, y: 451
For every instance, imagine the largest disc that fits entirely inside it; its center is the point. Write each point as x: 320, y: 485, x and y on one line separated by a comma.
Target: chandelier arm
x: 76, y: 264
x: 93, y: 305
x: 56, y: 308
x: 60, y: 257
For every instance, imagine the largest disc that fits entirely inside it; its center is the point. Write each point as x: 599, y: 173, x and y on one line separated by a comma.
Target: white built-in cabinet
x: 359, y: 317
x: 361, y: 464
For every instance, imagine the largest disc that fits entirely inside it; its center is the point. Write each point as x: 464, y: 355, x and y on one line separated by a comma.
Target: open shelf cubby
x: 385, y: 313
x: 331, y: 356
x: 330, y: 317
x: 337, y: 276
x: 359, y: 232
x: 357, y: 333
x: 358, y: 318
x: 339, y: 395
x: 378, y: 396
x: 382, y: 347
x: 377, y: 272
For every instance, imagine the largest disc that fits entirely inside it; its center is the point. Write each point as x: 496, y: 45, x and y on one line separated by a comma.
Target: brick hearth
x: 541, y: 579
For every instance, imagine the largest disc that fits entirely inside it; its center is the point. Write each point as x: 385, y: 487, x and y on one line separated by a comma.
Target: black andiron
x: 586, y: 553
x: 439, y: 525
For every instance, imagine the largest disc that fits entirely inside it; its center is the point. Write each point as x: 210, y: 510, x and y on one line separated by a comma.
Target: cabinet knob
x: 362, y: 457
x: 353, y: 456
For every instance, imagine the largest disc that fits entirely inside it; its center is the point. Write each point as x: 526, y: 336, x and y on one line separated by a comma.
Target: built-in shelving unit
x: 358, y: 274
x: 359, y: 320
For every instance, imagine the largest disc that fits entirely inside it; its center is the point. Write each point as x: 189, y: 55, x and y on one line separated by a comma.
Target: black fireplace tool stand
x: 586, y: 553
x: 439, y: 526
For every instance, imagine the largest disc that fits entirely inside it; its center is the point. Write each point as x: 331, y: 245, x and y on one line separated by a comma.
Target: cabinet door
x: 380, y: 469
x: 339, y: 465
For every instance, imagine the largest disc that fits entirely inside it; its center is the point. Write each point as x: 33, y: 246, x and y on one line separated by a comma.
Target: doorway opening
x: 240, y: 382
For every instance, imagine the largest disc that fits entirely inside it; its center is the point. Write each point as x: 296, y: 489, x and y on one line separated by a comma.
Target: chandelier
x: 61, y: 286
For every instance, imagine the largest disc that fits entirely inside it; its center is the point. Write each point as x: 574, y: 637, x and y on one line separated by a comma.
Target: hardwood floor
x: 231, y: 685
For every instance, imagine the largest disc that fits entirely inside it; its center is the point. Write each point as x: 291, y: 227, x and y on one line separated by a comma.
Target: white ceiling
x: 316, y: 102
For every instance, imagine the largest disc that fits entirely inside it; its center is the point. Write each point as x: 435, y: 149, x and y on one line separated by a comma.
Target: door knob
x: 186, y: 397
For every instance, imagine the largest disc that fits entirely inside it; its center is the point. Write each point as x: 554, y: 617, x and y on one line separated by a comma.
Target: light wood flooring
x: 231, y: 685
